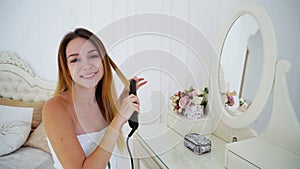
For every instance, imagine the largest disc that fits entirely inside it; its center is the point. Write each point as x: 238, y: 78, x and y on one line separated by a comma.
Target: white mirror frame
x: 265, y: 85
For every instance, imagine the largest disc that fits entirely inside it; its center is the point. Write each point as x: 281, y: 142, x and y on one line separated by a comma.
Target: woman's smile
x: 89, y: 76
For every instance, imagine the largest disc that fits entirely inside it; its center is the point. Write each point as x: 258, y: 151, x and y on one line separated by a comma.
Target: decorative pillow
x: 37, y: 139
x: 11, y: 113
x: 13, y: 134
x: 37, y: 106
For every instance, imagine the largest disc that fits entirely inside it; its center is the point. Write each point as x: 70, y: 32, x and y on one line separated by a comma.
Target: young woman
x: 83, y: 120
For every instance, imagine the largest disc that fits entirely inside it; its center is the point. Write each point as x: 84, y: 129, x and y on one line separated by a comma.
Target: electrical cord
x: 131, y: 159
x: 128, y: 148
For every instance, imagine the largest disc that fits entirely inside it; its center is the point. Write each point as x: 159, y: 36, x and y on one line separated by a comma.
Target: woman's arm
x: 103, y: 151
x: 61, y: 133
x: 100, y: 157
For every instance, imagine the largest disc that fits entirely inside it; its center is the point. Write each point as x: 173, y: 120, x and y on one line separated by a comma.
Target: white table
x: 158, y: 146
x: 257, y: 153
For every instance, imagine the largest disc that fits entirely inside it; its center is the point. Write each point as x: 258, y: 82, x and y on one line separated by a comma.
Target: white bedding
x: 27, y: 158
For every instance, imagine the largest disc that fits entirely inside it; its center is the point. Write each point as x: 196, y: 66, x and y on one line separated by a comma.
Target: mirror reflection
x: 241, y: 64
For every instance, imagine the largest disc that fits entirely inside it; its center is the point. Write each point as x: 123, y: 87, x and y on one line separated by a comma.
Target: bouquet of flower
x: 182, y: 100
x: 230, y: 101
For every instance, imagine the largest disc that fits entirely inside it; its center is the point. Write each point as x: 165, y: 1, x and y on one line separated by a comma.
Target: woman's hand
x: 129, y: 104
x: 139, y: 82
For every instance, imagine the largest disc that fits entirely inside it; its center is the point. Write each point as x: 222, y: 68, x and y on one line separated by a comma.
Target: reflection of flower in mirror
x: 188, y: 98
x: 243, y: 105
x: 230, y: 101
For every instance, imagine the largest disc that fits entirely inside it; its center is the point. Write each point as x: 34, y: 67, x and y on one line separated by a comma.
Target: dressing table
x: 277, y: 146
x: 159, y: 146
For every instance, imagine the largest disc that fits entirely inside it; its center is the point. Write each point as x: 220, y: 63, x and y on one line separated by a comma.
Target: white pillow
x: 15, y: 125
x: 13, y: 135
x: 10, y: 113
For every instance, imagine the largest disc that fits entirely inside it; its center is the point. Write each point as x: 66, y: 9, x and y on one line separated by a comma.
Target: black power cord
x: 128, y: 148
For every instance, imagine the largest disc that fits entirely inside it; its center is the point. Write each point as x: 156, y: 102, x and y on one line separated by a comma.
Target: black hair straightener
x: 133, y: 120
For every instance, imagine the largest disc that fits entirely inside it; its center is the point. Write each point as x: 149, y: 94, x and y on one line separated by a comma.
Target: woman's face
x: 84, y: 62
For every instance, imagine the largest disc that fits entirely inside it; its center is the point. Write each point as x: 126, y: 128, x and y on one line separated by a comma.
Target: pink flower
x: 191, y: 94
x: 230, y: 101
x: 179, y: 93
x: 184, y: 102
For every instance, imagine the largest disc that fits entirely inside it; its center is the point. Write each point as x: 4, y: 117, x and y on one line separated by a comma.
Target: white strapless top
x: 88, y: 142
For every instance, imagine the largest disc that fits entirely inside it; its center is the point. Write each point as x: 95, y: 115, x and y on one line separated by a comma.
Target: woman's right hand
x: 129, y: 104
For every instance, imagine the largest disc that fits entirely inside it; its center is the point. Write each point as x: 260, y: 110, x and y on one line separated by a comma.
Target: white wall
x: 33, y: 29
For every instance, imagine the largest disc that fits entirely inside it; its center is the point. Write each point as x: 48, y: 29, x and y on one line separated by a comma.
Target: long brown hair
x: 105, y: 90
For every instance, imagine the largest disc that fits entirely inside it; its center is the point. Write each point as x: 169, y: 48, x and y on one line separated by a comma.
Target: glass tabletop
x: 166, y: 146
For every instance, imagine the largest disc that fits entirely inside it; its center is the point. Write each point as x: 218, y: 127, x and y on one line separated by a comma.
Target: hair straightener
x: 133, y: 120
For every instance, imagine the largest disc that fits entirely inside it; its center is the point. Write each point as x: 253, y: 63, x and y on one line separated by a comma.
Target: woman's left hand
x: 139, y: 82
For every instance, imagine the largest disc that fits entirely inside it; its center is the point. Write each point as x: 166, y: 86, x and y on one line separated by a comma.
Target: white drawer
x: 236, y: 162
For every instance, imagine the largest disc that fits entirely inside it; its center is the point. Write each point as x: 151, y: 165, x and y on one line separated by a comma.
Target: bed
x: 22, y: 95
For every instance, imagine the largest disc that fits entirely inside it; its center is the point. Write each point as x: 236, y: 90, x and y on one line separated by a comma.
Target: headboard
x: 19, y: 86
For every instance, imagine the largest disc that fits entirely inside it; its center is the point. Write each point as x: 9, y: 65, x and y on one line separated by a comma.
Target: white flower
x: 199, y: 92
x: 197, y: 100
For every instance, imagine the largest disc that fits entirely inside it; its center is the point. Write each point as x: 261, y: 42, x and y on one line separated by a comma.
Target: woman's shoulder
x: 62, y: 98
x: 58, y: 103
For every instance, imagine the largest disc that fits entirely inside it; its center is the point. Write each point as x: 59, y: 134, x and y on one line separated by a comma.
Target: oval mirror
x: 247, y: 56
x: 241, y: 64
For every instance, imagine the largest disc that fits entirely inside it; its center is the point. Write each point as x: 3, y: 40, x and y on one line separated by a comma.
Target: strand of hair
x: 120, y: 74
